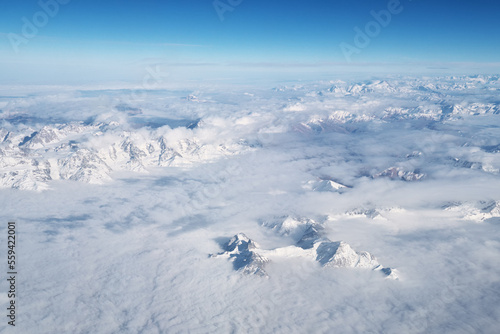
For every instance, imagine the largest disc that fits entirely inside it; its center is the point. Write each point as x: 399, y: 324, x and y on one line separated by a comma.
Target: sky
x: 82, y: 40
x: 121, y: 195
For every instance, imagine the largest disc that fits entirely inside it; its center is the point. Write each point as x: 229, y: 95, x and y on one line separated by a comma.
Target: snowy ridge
x: 475, y: 211
x: 242, y: 252
x: 325, y: 185
x: 367, y: 211
x: 35, y: 150
x: 435, y: 97
x: 248, y: 258
x: 30, y: 158
x: 398, y: 173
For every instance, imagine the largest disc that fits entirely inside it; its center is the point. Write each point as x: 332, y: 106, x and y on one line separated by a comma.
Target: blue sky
x: 104, y: 40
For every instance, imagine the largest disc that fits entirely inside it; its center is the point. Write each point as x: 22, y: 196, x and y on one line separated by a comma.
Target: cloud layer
x: 132, y: 254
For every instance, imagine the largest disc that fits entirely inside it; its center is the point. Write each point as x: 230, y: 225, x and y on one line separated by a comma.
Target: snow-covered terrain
x: 266, y: 209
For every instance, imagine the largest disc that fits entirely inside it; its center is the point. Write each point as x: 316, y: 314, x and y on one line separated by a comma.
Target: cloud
x: 132, y: 254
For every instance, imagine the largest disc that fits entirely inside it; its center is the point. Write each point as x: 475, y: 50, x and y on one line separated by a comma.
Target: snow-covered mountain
x: 243, y: 253
x: 30, y: 158
x: 398, y: 173
x: 35, y: 149
x: 475, y: 211
x: 310, y: 242
x: 325, y: 185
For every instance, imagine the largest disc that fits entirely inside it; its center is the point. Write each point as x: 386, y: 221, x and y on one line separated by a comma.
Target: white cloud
x: 132, y: 254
